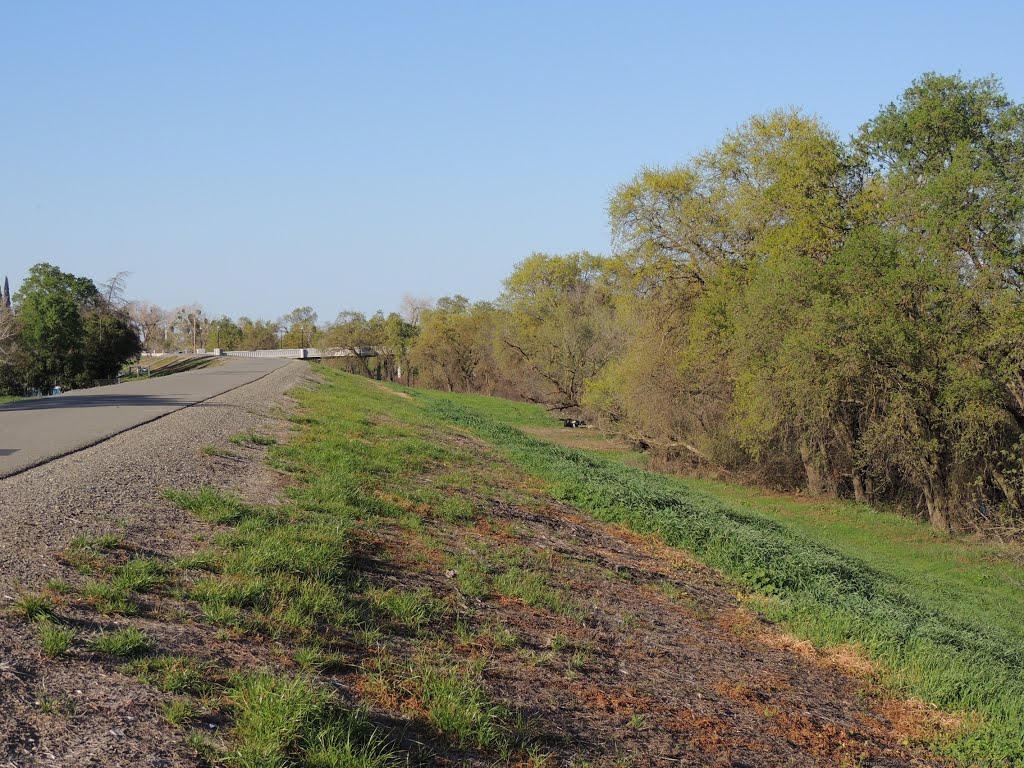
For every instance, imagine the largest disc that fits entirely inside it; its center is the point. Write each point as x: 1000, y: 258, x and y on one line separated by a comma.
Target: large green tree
x: 559, y: 323
x: 948, y: 159
x: 70, y: 334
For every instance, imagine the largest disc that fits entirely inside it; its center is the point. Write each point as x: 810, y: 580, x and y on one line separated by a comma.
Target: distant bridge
x: 306, y: 353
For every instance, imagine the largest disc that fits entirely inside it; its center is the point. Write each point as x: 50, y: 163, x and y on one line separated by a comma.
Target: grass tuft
x: 109, y: 599
x: 179, y: 712
x: 211, y: 505
x: 252, y: 438
x: 410, y: 609
x: 139, y: 575
x: 127, y: 642
x: 54, y: 639
x: 532, y: 588
x: 284, y: 721
x: 182, y: 675
x: 34, y: 607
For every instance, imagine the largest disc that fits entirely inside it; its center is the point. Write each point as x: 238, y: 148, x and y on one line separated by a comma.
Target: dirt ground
x: 667, y: 667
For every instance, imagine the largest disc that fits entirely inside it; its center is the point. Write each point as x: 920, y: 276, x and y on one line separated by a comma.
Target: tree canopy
x: 66, y: 333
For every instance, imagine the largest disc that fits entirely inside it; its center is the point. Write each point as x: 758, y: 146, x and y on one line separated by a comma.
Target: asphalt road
x: 36, y: 430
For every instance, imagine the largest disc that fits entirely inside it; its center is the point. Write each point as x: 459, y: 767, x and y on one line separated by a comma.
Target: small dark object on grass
x: 573, y: 423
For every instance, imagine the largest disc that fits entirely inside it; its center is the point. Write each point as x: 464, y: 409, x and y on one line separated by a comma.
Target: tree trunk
x: 814, y: 481
x: 859, y: 494
x: 935, y: 500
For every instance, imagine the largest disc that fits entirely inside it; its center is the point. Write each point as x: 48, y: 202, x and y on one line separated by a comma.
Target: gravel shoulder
x: 80, y: 713
x: 38, y: 429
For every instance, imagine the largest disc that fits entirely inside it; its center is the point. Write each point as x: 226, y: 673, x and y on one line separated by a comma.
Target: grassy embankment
x: 942, y: 618
x: 937, y: 617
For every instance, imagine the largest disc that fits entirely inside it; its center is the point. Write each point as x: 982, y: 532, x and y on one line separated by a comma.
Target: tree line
x: 845, y: 317
x: 840, y: 316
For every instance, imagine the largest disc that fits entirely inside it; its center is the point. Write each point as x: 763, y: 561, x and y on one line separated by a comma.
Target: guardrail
x: 307, y: 353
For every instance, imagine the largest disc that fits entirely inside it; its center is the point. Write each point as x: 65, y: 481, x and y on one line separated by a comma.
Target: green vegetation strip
x: 817, y: 591
x: 286, y: 573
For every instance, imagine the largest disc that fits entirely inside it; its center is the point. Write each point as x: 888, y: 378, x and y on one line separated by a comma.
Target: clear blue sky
x: 256, y: 156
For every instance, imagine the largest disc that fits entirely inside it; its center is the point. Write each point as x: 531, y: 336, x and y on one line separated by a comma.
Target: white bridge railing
x: 307, y: 353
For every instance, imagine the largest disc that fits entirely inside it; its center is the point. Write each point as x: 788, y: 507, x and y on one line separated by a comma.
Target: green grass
x: 179, y: 712
x: 940, y: 618
x: 251, y: 438
x: 978, y: 581
x: 221, y: 613
x: 126, y: 643
x: 54, y: 639
x: 451, y: 699
x: 181, y: 675
x: 457, y: 705
x: 279, y: 721
x: 471, y: 575
x: 139, y: 575
x: 533, y: 589
x: 412, y: 609
x: 108, y: 598
x: 288, y: 567
x: 314, y: 660
x: 213, y: 450
x: 211, y: 505
x: 87, y: 553
x: 58, y: 586
x: 33, y: 607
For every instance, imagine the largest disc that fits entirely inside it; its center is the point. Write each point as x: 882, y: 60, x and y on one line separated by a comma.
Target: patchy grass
x: 182, y: 675
x: 55, y: 640
x: 252, y: 438
x: 862, y: 578
x: 33, y: 607
x: 393, y: 570
x: 285, y: 721
x: 109, y: 599
x: 87, y: 554
x: 215, y: 450
x: 125, y: 643
x: 210, y: 505
x: 139, y: 574
x: 532, y: 588
x: 179, y: 712
x: 449, y: 697
x: 412, y: 609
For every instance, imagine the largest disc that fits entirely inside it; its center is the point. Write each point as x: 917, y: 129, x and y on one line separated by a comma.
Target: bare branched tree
x: 113, y: 290
x: 413, y: 307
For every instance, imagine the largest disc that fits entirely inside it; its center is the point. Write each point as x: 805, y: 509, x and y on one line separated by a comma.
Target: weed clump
x: 126, y: 643
x: 282, y: 721
x: 34, y: 607
x: 54, y: 639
